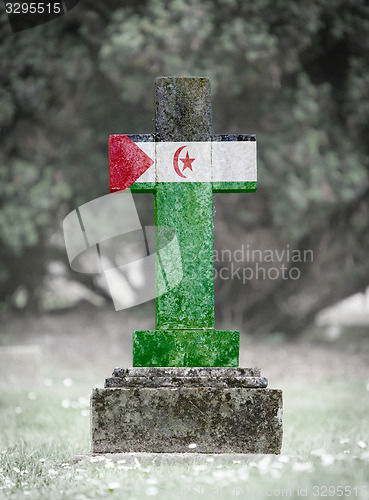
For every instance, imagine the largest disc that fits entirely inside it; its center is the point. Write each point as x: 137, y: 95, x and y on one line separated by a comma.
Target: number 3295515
x: 33, y: 8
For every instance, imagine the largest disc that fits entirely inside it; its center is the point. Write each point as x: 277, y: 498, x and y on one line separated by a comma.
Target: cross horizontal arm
x: 229, y: 164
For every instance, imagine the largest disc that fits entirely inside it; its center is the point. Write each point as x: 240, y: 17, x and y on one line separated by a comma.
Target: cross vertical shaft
x: 183, y: 113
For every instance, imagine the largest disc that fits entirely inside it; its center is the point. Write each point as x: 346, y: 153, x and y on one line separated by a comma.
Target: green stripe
x: 143, y: 187
x: 187, y: 207
x: 218, y: 187
x: 234, y: 187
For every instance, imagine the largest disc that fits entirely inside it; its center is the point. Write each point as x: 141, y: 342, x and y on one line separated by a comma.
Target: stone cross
x: 185, y: 333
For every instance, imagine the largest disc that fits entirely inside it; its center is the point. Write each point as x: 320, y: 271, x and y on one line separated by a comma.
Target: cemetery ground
x: 43, y: 426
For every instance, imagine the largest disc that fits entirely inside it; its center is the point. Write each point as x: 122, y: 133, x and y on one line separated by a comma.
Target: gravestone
x: 185, y: 391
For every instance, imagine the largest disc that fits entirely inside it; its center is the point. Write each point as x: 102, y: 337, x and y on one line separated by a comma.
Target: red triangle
x: 127, y: 162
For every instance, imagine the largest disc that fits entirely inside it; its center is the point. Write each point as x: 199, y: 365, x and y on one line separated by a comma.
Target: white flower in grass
x: 109, y: 465
x: 32, y: 396
x: 18, y: 410
x: 114, y: 485
x: 243, y: 474
x: 327, y: 460
x: 199, y: 467
x: 83, y: 401
x: 361, y: 444
x: 303, y: 467
x: 152, y: 491
x: 65, y: 403
x: 219, y: 473
x: 264, y: 464
x: 192, y: 446
x: 67, y: 382
x: 8, y: 483
x: 52, y: 472
x: 344, y: 440
x: 318, y: 453
x: 277, y: 465
x: 341, y: 456
x: 275, y: 473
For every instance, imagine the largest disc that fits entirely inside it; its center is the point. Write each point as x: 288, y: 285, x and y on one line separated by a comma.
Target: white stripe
x: 234, y: 161
x: 200, y: 152
x: 228, y: 161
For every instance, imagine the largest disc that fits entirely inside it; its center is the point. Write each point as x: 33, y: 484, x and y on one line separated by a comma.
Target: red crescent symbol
x: 175, y: 161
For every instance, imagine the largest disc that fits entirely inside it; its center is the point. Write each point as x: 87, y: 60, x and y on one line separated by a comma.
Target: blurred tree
x: 297, y: 75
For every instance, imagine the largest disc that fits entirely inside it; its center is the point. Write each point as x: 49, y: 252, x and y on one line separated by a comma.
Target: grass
x: 325, y: 451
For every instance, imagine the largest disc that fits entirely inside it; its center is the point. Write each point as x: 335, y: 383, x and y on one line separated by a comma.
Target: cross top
x: 183, y: 164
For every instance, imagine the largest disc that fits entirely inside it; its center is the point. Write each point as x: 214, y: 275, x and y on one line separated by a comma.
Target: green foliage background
x: 294, y: 73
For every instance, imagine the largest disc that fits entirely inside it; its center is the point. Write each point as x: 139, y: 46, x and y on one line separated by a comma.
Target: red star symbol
x: 187, y: 162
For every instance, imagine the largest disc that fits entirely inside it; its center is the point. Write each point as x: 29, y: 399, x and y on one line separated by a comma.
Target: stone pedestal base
x: 169, y: 410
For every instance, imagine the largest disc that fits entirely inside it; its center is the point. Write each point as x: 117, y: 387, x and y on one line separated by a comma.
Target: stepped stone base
x: 166, y: 410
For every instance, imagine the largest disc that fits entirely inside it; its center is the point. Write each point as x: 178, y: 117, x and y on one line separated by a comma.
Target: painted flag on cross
x: 229, y: 162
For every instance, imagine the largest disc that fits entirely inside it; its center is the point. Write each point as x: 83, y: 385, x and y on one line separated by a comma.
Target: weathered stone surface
x: 254, y: 382
x: 217, y: 420
x: 186, y: 377
x: 182, y: 109
x: 198, y: 371
x: 185, y: 347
